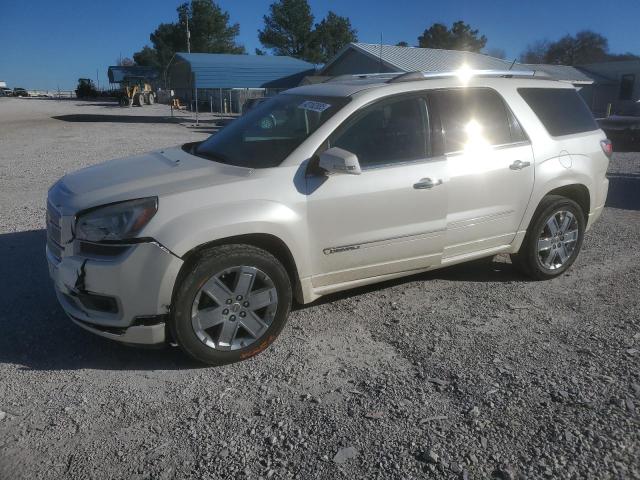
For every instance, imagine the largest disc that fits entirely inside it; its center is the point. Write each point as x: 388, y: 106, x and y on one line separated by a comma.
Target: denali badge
x: 329, y: 251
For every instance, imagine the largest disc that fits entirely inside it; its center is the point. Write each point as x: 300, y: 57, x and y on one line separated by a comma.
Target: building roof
x: 412, y: 59
x: 245, y: 71
x: 118, y: 73
x: 562, y: 73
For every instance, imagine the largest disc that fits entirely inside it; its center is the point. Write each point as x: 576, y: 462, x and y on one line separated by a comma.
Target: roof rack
x: 413, y: 76
x: 398, y: 77
x: 364, y: 76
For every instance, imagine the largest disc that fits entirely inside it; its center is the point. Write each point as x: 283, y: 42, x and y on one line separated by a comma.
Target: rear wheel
x: 231, y: 305
x: 151, y: 99
x: 553, y: 240
x: 140, y: 98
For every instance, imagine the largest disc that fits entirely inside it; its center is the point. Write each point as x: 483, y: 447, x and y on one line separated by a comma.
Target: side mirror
x: 337, y: 160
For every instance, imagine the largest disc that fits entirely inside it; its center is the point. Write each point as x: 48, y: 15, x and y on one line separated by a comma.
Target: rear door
x: 391, y: 217
x: 490, y: 167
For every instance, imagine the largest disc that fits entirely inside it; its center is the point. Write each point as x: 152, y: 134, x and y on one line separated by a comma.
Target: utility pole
x: 188, y: 36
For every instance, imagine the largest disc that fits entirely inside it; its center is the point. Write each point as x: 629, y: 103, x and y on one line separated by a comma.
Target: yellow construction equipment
x: 136, y: 91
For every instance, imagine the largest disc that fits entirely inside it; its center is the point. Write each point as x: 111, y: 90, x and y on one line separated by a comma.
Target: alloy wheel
x: 234, y: 308
x: 557, y: 240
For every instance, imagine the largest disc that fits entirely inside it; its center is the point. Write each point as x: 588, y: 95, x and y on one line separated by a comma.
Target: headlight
x: 118, y: 221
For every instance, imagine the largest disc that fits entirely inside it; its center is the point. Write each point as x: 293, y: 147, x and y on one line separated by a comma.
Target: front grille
x: 54, y: 232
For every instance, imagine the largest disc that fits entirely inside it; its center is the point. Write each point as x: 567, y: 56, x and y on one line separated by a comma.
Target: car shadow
x: 624, y: 191
x: 104, y: 118
x: 110, y: 104
x: 485, y: 270
x: 36, y: 333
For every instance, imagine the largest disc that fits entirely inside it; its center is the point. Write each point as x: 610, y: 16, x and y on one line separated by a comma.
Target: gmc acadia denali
x: 320, y: 189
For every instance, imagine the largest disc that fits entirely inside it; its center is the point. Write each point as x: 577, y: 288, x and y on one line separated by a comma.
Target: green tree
x: 147, y: 56
x: 460, y: 37
x: 402, y: 44
x: 585, y: 47
x: 288, y: 30
x: 535, y: 52
x: 332, y: 34
x: 210, y: 30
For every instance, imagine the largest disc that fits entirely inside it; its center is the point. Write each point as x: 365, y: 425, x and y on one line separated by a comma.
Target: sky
x: 47, y: 44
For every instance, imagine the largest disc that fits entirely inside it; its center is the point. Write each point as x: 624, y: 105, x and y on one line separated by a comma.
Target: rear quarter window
x: 561, y: 110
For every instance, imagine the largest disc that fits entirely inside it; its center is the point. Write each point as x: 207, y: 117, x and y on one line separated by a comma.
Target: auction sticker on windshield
x: 314, y: 106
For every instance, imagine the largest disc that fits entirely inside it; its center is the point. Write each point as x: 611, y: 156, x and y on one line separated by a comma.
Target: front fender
x: 199, y: 226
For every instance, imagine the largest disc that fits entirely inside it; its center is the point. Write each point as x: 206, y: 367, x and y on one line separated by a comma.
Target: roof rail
x: 413, y: 76
x: 363, y: 76
x: 398, y: 77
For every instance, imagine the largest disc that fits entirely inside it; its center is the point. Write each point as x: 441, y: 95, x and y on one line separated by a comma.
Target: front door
x: 391, y: 217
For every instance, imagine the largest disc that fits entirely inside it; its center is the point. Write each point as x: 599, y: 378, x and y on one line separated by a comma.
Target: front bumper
x: 137, y: 285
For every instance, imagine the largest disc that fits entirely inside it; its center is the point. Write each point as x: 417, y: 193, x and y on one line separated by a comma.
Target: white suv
x: 320, y: 189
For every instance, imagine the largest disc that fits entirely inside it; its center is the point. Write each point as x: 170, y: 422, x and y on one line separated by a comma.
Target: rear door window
x: 475, y: 114
x: 561, y: 110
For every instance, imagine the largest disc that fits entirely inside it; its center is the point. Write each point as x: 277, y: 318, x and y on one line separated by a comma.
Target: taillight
x: 607, y: 147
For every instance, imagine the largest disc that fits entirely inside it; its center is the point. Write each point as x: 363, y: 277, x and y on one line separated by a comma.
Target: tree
x: 402, y: 44
x: 288, y: 30
x: 125, y: 62
x: 332, y: 34
x: 585, y: 47
x: 147, y: 56
x: 210, y: 30
x: 535, y: 52
x: 460, y: 37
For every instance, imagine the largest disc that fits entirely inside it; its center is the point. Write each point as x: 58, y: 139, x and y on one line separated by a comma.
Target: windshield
x: 268, y: 133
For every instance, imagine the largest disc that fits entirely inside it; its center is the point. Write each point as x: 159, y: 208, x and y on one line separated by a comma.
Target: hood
x: 153, y: 174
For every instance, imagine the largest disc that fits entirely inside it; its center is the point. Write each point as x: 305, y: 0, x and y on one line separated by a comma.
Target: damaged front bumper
x: 125, y: 297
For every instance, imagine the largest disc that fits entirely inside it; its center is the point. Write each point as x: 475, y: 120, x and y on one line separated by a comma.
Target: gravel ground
x: 468, y: 372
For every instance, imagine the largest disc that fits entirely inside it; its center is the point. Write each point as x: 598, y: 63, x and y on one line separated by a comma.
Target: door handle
x: 519, y: 165
x: 426, y: 183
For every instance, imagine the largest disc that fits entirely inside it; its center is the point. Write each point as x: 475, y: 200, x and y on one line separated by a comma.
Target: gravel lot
x: 468, y: 372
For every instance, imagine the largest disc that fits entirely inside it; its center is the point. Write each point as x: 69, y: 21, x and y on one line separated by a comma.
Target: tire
x: 213, y: 320
x: 544, y: 255
x: 140, y: 98
x: 151, y: 99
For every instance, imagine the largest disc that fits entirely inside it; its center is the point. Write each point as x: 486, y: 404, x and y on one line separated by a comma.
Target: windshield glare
x: 267, y: 134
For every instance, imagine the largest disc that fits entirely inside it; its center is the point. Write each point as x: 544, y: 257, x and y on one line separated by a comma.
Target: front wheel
x: 553, y: 240
x: 231, y: 304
